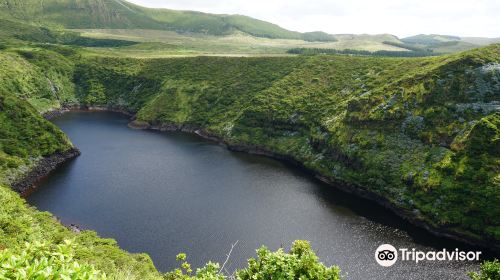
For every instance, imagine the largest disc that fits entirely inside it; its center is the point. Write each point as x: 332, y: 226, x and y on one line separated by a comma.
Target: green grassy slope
x: 406, y: 137
x: 352, y: 119
x: 93, y: 14
x: 445, y: 43
x: 411, y: 138
x: 425, y: 140
x: 421, y: 134
x: 24, y: 138
x: 261, y: 28
x: 35, y: 79
x: 196, y: 32
x: 158, y: 43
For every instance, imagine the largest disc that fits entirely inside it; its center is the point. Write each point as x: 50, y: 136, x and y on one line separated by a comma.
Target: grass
x: 168, y: 43
x: 146, y: 33
x: 20, y: 223
x: 353, y: 119
x: 37, y: 82
x: 122, y: 14
x: 421, y: 132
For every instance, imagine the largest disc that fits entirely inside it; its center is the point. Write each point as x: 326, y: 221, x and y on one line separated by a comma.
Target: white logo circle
x: 386, y: 255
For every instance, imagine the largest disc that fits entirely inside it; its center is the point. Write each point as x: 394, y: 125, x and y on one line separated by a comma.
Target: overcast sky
x: 398, y: 17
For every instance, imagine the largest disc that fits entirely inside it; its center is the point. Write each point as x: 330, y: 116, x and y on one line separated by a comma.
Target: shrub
x: 40, y: 261
x: 300, y: 263
x: 490, y: 270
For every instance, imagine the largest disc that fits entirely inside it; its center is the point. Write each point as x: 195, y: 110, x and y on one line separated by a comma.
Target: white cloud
x: 398, y: 17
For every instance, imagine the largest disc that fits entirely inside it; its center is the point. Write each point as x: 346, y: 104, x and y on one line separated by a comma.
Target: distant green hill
x: 446, y: 43
x: 429, y: 39
x: 111, y: 19
x: 92, y: 14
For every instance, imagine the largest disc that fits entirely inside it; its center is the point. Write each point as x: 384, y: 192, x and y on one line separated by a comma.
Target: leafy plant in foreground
x: 300, y: 263
x: 41, y: 261
x: 490, y: 270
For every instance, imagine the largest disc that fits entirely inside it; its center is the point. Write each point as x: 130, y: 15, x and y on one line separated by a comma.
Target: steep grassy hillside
x: 36, y: 79
x: 424, y: 142
x: 261, y: 28
x: 189, y: 32
x: 445, y: 43
x: 25, y: 138
x: 421, y: 136
x: 124, y: 15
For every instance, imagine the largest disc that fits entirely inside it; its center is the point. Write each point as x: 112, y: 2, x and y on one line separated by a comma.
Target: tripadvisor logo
x: 386, y: 255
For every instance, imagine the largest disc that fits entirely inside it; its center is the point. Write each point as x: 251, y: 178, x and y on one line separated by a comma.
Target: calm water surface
x: 165, y: 193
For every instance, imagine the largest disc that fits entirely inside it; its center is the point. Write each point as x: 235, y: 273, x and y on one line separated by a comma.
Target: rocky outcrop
x: 139, y: 125
x: 42, y: 169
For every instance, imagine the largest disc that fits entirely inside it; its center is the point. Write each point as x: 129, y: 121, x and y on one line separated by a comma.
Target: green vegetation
x: 24, y: 137
x: 21, y: 224
x: 441, y: 43
x: 490, y: 270
x: 409, y: 47
x: 313, y: 51
x: 300, y: 263
x: 350, y: 119
x: 431, y: 39
x: 40, y: 261
x: 188, y: 32
x: 168, y: 43
x: 420, y: 134
x: 122, y: 14
x: 264, y: 29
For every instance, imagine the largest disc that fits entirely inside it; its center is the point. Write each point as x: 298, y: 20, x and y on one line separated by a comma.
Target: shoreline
x: 42, y: 169
x: 405, y: 214
x: 49, y: 164
x: 82, y: 108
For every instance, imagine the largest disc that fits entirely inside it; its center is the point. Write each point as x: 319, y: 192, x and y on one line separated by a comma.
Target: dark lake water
x: 165, y: 193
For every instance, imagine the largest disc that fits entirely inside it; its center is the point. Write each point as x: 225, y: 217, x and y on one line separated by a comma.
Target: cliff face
x: 43, y: 168
x: 418, y: 135
x: 30, y: 148
x: 400, y: 131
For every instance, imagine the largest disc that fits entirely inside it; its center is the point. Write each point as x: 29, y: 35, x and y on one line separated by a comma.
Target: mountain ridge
x: 123, y: 14
x: 118, y: 15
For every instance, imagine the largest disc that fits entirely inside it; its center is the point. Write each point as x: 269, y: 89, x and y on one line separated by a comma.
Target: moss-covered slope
x: 406, y: 130
x: 122, y: 14
x: 420, y: 135
x: 25, y: 138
